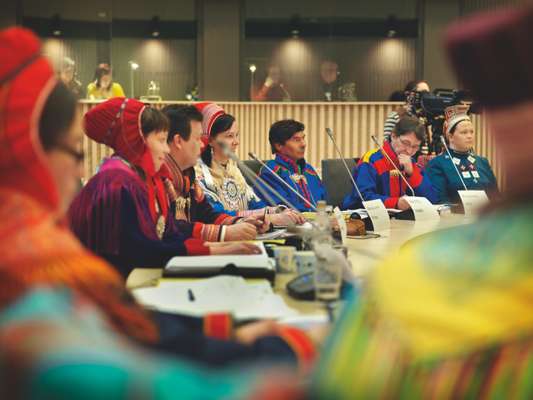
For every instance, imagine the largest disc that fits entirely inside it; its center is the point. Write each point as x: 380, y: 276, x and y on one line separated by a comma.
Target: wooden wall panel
x: 352, y: 124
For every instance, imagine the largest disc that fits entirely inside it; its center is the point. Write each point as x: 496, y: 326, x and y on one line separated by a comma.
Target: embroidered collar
x: 457, y: 153
x: 296, y: 167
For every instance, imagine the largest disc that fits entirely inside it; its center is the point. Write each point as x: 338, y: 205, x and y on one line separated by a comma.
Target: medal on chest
x: 297, y: 178
x: 160, y: 224
x: 472, y: 169
x: 394, y: 173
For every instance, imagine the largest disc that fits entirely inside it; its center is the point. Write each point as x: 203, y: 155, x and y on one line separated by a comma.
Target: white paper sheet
x: 245, y: 300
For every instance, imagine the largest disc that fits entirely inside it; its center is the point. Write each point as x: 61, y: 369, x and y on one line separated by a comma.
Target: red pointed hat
x: 26, y: 81
x: 210, y: 112
x: 117, y: 124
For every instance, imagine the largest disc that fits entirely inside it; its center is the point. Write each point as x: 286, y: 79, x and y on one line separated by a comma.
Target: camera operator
x: 413, y: 91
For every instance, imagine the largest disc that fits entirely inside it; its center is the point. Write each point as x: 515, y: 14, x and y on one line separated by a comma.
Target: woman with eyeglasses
x: 378, y: 178
x: 464, y: 168
x: 221, y: 179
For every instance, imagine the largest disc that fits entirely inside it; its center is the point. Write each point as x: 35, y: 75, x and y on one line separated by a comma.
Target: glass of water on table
x: 327, y: 278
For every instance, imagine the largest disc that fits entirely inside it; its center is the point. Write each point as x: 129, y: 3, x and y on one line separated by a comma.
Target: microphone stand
x: 330, y: 134
x: 252, y: 176
x: 451, y: 160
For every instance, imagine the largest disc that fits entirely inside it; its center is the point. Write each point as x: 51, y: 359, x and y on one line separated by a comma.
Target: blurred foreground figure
x: 451, y: 316
x: 69, y: 329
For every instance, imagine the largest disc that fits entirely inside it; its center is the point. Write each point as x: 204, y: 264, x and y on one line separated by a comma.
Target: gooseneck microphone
x: 393, y: 163
x: 330, y: 134
x: 451, y: 160
x: 253, y: 156
x: 253, y: 177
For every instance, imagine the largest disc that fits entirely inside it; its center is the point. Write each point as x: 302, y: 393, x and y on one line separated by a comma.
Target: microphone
x: 392, y: 162
x: 451, y: 160
x: 253, y: 177
x: 330, y: 134
x: 253, y: 156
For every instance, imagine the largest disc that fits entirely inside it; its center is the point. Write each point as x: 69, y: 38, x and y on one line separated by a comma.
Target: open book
x: 248, y: 266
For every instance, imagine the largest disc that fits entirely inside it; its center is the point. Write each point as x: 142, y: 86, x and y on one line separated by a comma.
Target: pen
x: 191, y: 295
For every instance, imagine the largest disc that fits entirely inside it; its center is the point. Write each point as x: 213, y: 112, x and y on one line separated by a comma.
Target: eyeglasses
x: 408, y: 144
x: 78, y: 156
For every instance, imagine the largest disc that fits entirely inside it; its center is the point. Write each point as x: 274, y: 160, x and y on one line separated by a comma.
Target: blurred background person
x: 330, y: 83
x: 68, y: 75
x: 397, y: 95
x: 103, y: 86
x: 273, y: 88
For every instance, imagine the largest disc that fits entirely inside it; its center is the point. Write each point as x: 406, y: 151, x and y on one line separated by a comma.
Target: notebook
x: 248, y: 266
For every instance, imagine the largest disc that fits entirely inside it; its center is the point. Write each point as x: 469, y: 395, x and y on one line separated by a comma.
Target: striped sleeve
x: 390, y: 123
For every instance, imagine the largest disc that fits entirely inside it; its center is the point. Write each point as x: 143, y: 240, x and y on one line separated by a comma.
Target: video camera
x: 430, y: 107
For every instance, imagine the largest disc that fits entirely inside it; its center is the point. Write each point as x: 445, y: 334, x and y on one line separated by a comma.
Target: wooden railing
x: 352, y: 124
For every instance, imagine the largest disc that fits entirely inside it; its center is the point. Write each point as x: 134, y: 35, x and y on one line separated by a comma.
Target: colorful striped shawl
x: 451, y: 317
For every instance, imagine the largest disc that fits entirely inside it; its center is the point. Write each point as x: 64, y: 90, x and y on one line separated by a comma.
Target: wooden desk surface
x: 364, y: 254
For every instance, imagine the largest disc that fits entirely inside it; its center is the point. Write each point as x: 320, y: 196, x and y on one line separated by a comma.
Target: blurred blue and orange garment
x: 449, y: 318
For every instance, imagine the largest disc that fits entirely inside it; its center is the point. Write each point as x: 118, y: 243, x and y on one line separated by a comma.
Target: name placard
x: 422, y: 208
x: 473, y: 200
x: 378, y: 215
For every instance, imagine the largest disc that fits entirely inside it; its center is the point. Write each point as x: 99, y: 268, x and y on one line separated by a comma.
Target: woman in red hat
x: 221, y: 179
x: 123, y: 212
x: 96, y: 324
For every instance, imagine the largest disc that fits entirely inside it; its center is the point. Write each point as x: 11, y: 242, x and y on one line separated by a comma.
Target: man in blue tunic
x: 287, y: 139
x: 379, y: 178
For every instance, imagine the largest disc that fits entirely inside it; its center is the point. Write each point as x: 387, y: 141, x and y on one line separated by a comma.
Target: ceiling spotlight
x: 295, y: 26
x: 133, y: 65
x: 156, y: 30
x: 392, y: 26
x: 56, y: 25
x: 252, y: 68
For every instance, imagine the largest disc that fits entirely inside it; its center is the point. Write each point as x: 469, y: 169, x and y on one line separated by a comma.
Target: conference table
x: 363, y: 254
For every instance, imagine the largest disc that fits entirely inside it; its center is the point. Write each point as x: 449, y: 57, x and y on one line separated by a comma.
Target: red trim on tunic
x: 225, y: 219
x: 391, y: 202
x: 416, y: 178
x: 196, y: 247
x: 394, y: 185
x: 382, y: 165
x: 300, y: 343
x: 218, y: 326
x: 197, y: 230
